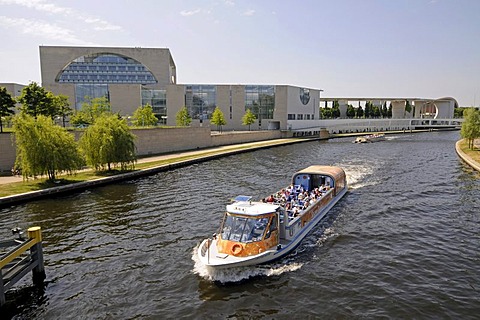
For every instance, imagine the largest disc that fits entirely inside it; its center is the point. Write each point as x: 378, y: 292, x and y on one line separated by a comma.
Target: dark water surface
x: 403, y: 243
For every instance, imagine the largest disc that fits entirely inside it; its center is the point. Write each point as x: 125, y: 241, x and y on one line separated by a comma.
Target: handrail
x: 35, y: 236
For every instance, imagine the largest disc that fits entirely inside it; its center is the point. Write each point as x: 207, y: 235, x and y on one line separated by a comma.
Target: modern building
x: 131, y: 77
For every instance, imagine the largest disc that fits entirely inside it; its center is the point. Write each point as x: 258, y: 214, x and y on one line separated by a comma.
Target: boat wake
x: 359, y: 175
x: 238, y: 274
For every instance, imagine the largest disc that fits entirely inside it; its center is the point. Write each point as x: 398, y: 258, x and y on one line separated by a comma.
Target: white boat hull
x: 210, y: 257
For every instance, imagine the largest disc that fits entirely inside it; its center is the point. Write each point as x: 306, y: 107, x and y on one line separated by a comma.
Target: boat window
x: 244, y: 229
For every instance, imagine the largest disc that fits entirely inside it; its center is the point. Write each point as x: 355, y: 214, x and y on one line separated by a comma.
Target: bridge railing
x: 25, y: 256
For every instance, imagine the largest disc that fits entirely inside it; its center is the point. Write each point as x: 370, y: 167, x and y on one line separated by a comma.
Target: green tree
x: 360, y: 113
x: 183, y: 118
x: 44, y: 148
x: 326, y: 113
x: 350, y: 111
x: 389, y: 111
x: 218, y: 118
x: 248, y: 118
x: 36, y: 101
x: 471, y: 126
x: 108, y: 142
x: 91, y: 109
x: 144, y: 116
x: 7, y: 103
x: 368, y: 109
x: 61, y: 105
x: 384, y: 110
x: 408, y: 107
x: 376, y: 112
x: 336, y: 110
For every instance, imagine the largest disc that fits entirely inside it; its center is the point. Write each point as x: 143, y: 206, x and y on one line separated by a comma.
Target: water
x: 403, y: 243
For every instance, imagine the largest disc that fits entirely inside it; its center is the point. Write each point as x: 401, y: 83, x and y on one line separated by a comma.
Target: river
x: 403, y: 243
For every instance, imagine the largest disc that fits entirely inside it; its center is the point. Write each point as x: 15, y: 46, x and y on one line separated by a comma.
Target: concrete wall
x: 228, y: 138
x: 163, y: 140
x: 7, y: 152
x: 160, y: 140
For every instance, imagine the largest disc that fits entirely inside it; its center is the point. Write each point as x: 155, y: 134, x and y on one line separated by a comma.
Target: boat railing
x: 320, y: 202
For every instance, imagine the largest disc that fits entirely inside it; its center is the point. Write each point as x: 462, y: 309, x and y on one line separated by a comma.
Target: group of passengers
x: 296, y: 199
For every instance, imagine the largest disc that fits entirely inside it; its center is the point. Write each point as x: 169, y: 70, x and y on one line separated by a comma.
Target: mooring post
x: 38, y: 273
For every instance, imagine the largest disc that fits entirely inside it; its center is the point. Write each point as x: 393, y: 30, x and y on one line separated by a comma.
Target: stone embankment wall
x: 161, y: 140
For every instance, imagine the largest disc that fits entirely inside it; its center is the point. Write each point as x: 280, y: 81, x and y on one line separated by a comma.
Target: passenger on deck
x: 270, y: 199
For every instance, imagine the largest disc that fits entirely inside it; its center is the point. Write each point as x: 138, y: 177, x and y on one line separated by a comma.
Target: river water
x: 403, y: 243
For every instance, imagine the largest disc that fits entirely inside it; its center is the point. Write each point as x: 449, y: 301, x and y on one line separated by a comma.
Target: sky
x: 348, y: 48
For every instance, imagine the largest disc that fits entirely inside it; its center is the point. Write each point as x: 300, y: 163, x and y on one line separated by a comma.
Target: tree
x: 44, y: 148
x: 218, y: 118
x: 368, y: 110
x: 108, y: 142
x: 336, y: 110
x: 350, y: 111
x: 183, y: 118
x: 36, y: 101
x: 62, y: 106
x: 384, y: 110
x: 376, y: 112
x: 471, y: 126
x: 360, y: 112
x: 144, y: 116
x: 92, y: 108
x: 389, y: 111
x: 7, y: 103
x: 408, y: 107
x: 248, y: 118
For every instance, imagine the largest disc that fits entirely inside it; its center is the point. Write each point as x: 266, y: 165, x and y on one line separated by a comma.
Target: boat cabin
x: 320, y: 176
x: 248, y: 228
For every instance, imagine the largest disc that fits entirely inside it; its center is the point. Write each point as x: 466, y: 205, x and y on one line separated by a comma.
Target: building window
x: 260, y: 100
x: 299, y: 116
x: 85, y: 92
x: 158, y: 100
x: 200, y: 101
x: 106, y: 68
x: 291, y: 116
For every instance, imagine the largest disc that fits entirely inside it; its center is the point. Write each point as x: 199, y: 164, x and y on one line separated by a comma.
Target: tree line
x: 368, y: 112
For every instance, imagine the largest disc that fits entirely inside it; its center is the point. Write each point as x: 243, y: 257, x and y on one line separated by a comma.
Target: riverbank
x: 14, y: 190
x: 471, y: 157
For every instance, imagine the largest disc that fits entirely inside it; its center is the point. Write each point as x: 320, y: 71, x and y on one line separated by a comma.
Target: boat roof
x: 333, y: 171
x: 251, y: 208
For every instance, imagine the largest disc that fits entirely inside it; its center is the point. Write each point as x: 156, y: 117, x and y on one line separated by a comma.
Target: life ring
x: 236, y: 249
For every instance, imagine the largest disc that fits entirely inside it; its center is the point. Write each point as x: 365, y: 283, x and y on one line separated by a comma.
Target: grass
x: 472, y: 153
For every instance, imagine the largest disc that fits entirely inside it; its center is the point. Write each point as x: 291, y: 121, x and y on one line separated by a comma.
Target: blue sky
x: 348, y: 48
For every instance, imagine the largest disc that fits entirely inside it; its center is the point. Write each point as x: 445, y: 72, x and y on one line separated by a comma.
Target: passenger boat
x: 256, y: 232
x: 370, y: 138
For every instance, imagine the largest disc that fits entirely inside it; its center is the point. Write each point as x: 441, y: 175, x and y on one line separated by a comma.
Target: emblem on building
x: 304, y: 95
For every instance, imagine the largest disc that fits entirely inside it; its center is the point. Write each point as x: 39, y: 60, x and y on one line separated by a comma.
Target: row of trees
x: 218, y: 118
x: 471, y: 126
x: 35, y: 101
x: 370, y: 111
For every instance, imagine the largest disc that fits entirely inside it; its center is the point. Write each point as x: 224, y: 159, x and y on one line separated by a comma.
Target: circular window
x: 304, y: 95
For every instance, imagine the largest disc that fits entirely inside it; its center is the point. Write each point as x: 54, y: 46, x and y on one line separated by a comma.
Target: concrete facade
x: 123, y: 96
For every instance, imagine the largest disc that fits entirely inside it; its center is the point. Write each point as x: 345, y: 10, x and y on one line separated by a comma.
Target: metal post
x: 38, y: 273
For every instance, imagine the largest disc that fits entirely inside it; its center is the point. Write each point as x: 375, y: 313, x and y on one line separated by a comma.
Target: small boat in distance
x: 255, y: 232
x: 370, y: 138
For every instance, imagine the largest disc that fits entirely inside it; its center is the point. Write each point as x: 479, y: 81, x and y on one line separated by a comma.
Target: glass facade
x: 200, y: 101
x: 158, y: 100
x: 106, y: 68
x: 89, y: 90
x: 260, y: 100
